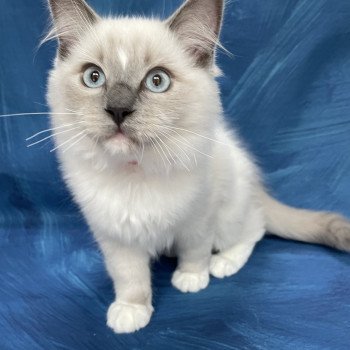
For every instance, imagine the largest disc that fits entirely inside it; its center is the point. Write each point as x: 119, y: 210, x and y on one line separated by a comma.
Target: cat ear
x: 198, y: 23
x: 71, y: 18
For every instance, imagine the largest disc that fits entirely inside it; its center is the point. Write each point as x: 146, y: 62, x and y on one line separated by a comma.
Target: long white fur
x: 192, y: 190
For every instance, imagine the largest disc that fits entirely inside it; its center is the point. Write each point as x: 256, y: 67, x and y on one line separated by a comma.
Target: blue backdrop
x: 288, y: 92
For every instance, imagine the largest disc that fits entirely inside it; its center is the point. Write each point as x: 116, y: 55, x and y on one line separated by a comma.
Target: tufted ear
x: 198, y: 23
x: 71, y: 18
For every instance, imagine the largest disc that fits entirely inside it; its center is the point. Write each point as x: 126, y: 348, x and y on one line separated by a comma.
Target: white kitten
x: 148, y: 156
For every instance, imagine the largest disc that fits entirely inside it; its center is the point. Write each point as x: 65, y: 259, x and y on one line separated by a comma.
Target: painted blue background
x: 288, y: 92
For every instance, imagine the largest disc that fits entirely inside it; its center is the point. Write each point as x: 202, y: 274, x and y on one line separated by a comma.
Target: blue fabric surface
x: 288, y: 92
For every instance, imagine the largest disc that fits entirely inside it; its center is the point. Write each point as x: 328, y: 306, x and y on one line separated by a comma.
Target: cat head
x: 136, y: 83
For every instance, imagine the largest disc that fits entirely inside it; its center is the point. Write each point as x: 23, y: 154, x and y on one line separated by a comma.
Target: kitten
x: 149, y: 159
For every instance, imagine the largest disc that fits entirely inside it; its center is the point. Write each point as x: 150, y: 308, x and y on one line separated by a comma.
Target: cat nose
x: 118, y: 114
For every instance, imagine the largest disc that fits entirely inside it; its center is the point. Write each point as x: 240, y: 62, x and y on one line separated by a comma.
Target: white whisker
x: 73, y: 144
x: 41, y: 104
x: 161, y: 148
x: 168, y: 149
x: 52, y: 129
x: 189, y: 146
x: 32, y: 114
x: 181, y: 149
x: 73, y: 111
x: 167, y: 135
x: 154, y: 145
x: 194, y: 133
x: 69, y: 140
x: 95, y: 138
x: 50, y: 136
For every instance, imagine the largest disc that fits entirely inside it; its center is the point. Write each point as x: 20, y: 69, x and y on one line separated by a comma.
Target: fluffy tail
x: 305, y: 225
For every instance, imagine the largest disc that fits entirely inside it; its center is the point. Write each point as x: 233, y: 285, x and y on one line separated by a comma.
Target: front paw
x: 127, y: 317
x: 221, y: 267
x: 190, y: 281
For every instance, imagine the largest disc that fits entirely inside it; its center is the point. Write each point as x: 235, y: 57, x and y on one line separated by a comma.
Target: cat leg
x: 234, y: 255
x: 194, y: 252
x: 130, y: 272
x: 230, y: 261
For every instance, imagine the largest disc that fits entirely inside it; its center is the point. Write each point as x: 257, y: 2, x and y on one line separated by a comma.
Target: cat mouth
x: 121, y: 135
x: 118, y: 135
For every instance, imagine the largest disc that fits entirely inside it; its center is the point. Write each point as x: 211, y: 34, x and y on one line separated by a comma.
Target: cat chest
x: 133, y: 208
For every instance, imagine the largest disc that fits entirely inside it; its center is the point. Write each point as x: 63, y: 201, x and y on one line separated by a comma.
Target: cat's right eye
x: 94, y: 77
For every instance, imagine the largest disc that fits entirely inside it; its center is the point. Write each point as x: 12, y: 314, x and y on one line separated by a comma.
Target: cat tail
x: 306, y: 225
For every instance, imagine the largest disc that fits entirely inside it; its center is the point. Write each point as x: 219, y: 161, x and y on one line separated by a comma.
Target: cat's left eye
x: 94, y: 77
x: 158, y: 81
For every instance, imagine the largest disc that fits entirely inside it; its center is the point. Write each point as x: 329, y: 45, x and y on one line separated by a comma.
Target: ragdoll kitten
x: 147, y: 155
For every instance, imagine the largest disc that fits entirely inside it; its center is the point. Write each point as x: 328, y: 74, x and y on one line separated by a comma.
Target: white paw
x: 190, y: 281
x: 221, y: 267
x: 128, y: 318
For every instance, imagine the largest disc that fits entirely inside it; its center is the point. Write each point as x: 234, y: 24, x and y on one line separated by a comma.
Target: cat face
x: 136, y: 82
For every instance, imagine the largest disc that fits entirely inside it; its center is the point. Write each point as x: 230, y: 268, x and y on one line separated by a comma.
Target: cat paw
x: 221, y: 267
x: 128, y: 318
x: 190, y: 282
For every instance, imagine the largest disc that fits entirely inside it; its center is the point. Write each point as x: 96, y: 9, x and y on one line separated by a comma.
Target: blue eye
x: 158, y: 81
x: 94, y: 77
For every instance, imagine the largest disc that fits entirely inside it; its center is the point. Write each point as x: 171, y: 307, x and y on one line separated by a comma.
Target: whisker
x: 187, y: 145
x: 69, y: 140
x: 72, y: 110
x: 194, y: 133
x: 50, y: 136
x: 41, y: 104
x: 52, y: 129
x: 95, y: 139
x: 177, y: 155
x: 167, y: 135
x: 32, y: 114
x: 181, y: 149
x: 161, y: 148
x: 140, y: 152
x: 150, y: 139
x: 168, y: 149
x: 74, y: 143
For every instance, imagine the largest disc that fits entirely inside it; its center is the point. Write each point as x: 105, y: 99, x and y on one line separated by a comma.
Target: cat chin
x: 119, y: 144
